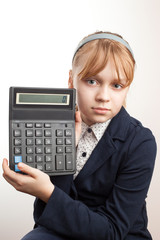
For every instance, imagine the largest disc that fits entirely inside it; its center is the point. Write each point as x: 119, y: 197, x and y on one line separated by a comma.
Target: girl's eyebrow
x: 115, y: 79
x: 120, y: 80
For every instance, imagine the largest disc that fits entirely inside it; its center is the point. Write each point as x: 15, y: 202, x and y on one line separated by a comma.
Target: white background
x: 37, y: 41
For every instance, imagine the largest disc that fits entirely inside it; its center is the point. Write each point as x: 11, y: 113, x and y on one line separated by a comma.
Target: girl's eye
x: 117, y: 86
x: 91, y: 82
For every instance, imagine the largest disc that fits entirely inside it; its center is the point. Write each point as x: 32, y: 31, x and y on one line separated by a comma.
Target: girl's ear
x: 70, y: 80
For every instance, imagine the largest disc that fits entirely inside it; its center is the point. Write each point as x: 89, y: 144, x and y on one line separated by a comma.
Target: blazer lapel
x: 104, y: 149
x: 117, y: 129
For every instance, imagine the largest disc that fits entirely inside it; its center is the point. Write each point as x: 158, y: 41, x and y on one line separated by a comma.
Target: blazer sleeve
x: 72, y: 219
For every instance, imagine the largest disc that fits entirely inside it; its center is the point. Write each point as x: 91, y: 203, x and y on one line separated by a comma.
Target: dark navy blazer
x: 107, y: 199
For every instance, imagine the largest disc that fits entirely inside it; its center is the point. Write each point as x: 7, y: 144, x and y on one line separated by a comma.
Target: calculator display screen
x: 42, y: 99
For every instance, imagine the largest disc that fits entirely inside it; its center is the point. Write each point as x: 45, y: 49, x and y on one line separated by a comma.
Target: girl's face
x: 99, y: 97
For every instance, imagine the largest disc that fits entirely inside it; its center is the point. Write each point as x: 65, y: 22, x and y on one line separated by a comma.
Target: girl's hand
x: 78, y: 121
x: 35, y: 183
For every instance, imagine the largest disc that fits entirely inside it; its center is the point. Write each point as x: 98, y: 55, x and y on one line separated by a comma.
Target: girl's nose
x: 103, y: 95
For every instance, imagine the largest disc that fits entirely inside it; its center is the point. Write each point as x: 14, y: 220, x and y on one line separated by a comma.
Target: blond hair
x: 98, y: 52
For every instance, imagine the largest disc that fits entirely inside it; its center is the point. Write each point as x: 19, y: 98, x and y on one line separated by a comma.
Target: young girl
x: 105, y: 199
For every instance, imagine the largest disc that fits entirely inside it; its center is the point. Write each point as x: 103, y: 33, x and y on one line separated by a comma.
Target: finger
x: 7, y: 171
x: 33, y: 172
x: 22, y: 167
x: 78, y: 121
x: 14, y: 177
x: 17, y: 180
x: 8, y: 179
x: 20, y: 182
x: 10, y: 176
x: 4, y: 163
x: 78, y: 117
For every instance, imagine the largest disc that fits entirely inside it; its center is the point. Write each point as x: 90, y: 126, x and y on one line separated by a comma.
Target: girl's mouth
x: 101, y: 110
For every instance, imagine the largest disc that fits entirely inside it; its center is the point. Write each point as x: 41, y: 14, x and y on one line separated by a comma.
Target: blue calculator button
x: 16, y: 168
x: 17, y: 159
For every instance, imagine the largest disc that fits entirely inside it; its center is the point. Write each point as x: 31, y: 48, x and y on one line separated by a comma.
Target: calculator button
x: 16, y: 168
x: 39, y: 141
x: 59, y: 133
x: 69, y: 162
x: 68, y: 132
x: 29, y: 150
x: 59, y: 149
x: 68, y: 149
x: 40, y: 166
x: 59, y: 141
x: 17, y: 159
x: 29, y: 125
x: 47, y: 125
x: 17, y: 150
x: 17, y: 133
x: 69, y: 125
x: 29, y: 141
x: 39, y: 133
x: 47, y: 133
x: 15, y: 125
x: 60, y: 162
x: 17, y: 141
x: 29, y: 159
x: 49, y: 166
x: 38, y: 125
x: 39, y: 159
x: 29, y: 133
x: 48, y: 150
x: 48, y: 158
x: 68, y: 141
x: 47, y: 141
x: 39, y: 150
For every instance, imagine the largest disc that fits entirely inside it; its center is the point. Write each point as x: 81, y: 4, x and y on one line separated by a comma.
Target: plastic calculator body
x: 42, y: 129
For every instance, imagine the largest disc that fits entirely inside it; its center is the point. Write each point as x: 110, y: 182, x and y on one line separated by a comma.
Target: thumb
x: 33, y: 172
x: 78, y: 117
x: 78, y: 122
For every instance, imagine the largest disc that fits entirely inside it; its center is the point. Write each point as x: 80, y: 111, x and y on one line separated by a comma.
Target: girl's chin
x: 97, y: 119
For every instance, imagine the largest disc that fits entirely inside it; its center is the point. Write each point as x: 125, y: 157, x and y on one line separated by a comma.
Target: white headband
x: 103, y: 36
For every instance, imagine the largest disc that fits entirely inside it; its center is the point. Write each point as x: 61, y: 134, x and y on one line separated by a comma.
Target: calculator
x: 42, y: 129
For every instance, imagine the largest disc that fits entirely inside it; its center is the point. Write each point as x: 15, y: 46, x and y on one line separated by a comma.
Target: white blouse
x: 89, y: 138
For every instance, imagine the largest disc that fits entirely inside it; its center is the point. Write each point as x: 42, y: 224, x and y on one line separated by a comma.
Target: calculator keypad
x: 47, y: 146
